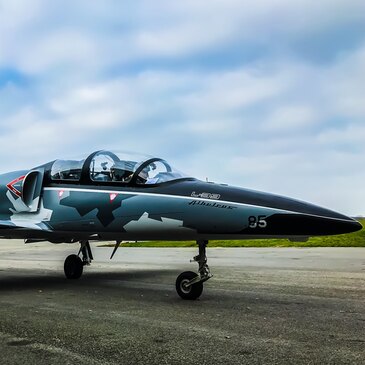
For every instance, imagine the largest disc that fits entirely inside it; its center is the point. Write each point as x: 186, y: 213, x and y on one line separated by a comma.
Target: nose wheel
x: 74, y: 264
x: 189, y: 285
x: 186, y: 291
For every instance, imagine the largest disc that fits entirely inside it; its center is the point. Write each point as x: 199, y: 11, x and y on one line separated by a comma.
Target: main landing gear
x: 189, y: 285
x: 74, y: 264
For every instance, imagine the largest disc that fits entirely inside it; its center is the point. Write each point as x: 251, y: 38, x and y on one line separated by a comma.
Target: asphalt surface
x: 263, y: 306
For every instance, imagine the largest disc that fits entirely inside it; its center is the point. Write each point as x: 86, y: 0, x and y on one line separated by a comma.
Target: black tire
x: 192, y: 292
x: 73, y: 267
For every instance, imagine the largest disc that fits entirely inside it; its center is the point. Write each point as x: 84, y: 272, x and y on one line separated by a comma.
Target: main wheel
x: 73, y: 267
x: 188, y: 292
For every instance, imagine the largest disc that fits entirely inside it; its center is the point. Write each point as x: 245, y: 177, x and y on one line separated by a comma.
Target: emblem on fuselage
x: 205, y: 195
x: 212, y: 204
x: 12, y: 186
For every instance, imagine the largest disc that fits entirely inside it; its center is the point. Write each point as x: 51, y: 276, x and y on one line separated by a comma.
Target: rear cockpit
x: 115, y: 168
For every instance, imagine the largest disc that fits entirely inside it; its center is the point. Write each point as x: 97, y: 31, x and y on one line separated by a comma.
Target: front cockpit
x: 115, y: 168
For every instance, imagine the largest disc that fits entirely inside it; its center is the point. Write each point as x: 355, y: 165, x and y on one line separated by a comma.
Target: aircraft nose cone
x: 312, y: 225
x: 333, y: 224
x: 303, y: 219
x: 320, y: 221
x: 353, y: 226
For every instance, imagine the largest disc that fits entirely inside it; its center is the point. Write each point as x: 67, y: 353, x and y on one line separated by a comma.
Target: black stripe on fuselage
x: 304, y: 225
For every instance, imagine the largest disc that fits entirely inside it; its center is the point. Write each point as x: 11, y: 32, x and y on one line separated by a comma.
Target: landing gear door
x: 32, y: 189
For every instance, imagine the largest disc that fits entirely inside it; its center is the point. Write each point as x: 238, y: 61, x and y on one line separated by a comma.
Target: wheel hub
x: 184, y: 286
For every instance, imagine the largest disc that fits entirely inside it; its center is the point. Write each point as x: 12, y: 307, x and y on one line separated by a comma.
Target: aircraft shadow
x: 156, y: 284
x: 21, y: 281
x: 133, y: 284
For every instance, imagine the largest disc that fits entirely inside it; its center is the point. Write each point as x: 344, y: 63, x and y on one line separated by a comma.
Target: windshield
x: 157, y: 172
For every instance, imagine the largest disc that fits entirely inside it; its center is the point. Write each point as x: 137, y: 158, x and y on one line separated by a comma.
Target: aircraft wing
x: 7, y: 224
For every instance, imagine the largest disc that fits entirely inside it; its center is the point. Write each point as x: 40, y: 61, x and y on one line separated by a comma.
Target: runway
x: 263, y: 306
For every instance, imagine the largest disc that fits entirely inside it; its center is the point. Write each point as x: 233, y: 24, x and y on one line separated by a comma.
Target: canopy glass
x: 119, y: 168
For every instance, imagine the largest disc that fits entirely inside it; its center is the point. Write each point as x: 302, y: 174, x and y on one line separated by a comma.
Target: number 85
x: 257, y: 222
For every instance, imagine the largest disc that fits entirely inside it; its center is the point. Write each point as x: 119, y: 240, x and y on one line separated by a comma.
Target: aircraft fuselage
x: 185, y: 209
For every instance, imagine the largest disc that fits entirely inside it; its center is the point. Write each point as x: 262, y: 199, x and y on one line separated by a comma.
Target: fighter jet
x: 111, y: 196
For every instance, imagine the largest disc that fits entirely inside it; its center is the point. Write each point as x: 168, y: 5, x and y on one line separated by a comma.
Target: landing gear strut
x: 74, y: 265
x: 189, y: 285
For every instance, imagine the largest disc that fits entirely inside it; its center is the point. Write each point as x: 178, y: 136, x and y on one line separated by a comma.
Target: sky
x: 266, y: 94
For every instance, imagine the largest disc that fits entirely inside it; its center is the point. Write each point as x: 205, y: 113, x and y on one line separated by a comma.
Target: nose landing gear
x: 74, y: 265
x: 189, y: 285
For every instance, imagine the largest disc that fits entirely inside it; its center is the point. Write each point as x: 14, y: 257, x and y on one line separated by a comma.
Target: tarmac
x: 263, y: 306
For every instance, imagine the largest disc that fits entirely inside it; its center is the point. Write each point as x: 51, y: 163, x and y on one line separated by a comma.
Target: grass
x: 356, y: 239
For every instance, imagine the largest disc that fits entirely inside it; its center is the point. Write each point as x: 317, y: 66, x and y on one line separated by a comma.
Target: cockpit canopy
x: 118, y: 168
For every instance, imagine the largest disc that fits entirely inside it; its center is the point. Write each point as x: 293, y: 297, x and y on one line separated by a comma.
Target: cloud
x: 110, y: 32
x: 292, y: 117
x: 227, y: 91
x: 348, y: 134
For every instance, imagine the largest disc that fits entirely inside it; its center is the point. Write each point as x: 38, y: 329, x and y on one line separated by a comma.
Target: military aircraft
x: 117, y: 196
